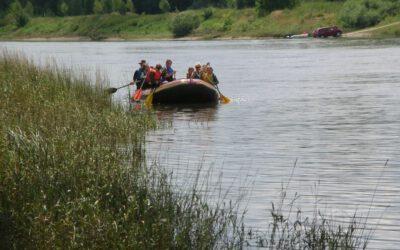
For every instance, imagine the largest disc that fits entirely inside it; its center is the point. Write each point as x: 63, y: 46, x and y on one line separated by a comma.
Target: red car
x: 327, y: 31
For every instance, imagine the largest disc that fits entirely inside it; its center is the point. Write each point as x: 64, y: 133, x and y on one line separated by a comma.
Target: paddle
x: 113, y: 90
x: 222, y: 98
x: 138, y: 94
x: 149, y: 99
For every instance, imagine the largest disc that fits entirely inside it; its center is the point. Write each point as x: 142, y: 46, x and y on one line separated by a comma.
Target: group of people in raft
x: 147, y: 77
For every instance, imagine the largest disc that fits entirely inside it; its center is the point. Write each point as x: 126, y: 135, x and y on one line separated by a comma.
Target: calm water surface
x: 334, y: 105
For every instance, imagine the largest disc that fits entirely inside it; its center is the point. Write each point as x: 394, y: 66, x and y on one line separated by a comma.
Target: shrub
x: 96, y: 35
x: 261, y: 7
x: 264, y: 6
x: 130, y: 7
x: 364, y: 13
x: 119, y: 6
x: 29, y: 9
x: 208, y: 13
x: 17, y: 15
x: 3, y: 22
x: 184, y: 24
x: 98, y: 7
x: 164, y: 6
x: 63, y: 8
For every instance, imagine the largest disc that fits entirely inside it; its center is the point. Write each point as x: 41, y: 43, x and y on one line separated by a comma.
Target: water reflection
x: 198, y: 113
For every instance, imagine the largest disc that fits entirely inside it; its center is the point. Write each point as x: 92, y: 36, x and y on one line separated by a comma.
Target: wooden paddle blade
x: 112, y: 90
x: 149, y: 100
x: 138, y: 95
x: 224, y: 99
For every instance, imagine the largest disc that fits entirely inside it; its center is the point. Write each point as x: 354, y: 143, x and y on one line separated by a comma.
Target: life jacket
x: 210, y: 78
x: 156, y: 74
x: 206, y: 77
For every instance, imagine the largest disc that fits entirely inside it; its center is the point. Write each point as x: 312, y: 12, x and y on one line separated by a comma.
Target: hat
x: 142, y: 62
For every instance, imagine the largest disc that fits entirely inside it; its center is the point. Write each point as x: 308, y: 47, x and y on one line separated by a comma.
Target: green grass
x: 223, y: 23
x: 72, y: 172
x: 387, y: 32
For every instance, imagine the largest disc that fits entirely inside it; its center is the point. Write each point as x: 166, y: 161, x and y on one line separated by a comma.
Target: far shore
x: 224, y: 24
x: 358, y: 34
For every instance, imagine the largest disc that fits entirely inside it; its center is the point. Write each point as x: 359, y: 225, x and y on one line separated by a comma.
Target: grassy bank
x: 72, y: 172
x: 222, y: 23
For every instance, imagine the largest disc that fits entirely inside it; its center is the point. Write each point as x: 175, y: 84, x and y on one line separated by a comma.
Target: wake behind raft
x: 184, y: 91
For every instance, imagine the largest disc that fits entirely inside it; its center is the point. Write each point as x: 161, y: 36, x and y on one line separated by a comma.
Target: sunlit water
x: 334, y: 105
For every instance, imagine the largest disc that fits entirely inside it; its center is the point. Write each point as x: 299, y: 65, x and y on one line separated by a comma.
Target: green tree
x: 107, y: 6
x: 129, y: 6
x: 119, y: 6
x: 63, y: 8
x: 261, y: 7
x: 29, y: 10
x: 88, y: 6
x: 244, y: 3
x: 231, y: 4
x: 75, y: 7
x: 17, y: 14
x: 148, y: 6
x: 98, y: 7
x: 280, y: 4
x: 164, y: 6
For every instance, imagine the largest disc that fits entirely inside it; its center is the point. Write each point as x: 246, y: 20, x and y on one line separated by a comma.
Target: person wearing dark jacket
x: 197, y: 72
x: 140, y: 74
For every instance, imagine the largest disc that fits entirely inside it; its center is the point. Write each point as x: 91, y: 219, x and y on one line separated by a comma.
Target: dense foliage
x: 364, y: 13
x: 184, y: 24
x: 355, y: 13
x: 85, y: 7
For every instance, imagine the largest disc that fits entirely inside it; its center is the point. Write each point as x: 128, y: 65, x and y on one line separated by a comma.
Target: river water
x: 333, y: 105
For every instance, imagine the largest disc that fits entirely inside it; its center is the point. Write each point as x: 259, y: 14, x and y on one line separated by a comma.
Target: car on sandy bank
x: 327, y: 32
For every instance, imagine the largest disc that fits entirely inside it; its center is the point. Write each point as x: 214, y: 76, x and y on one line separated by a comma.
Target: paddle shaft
x: 124, y: 86
x: 113, y: 90
x: 223, y: 98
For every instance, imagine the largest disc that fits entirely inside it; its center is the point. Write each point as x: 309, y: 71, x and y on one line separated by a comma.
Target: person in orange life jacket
x: 153, y: 76
x: 168, y: 73
x: 209, y: 76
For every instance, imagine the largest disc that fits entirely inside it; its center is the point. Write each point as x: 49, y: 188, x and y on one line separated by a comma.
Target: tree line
x: 87, y: 7
x: 354, y: 13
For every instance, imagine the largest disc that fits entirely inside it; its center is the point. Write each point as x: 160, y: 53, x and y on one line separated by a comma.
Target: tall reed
x: 72, y: 172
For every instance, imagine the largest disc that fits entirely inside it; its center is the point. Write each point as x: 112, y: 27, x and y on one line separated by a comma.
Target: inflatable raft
x: 185, y: 91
